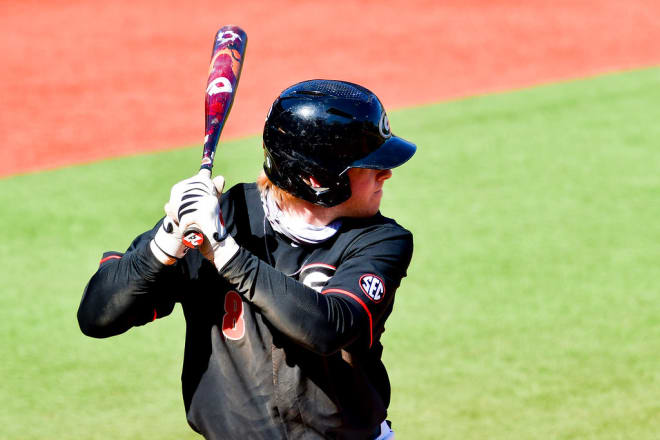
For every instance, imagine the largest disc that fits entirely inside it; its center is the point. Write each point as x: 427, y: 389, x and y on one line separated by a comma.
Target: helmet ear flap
x: 314, y: 185
x: 334, y: 193
x: 323, y: 190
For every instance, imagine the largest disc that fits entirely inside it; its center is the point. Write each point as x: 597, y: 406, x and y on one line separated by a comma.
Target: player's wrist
x: 224, y: 250
x: 166, y: 245
x: 160, y: 255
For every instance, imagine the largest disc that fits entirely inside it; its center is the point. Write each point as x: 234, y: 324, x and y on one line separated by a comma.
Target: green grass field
x: 531, y: 310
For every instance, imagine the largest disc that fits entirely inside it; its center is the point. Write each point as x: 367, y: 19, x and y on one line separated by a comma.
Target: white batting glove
x: 184, y: 194
x: 202, y: 208
x: 167, y: 246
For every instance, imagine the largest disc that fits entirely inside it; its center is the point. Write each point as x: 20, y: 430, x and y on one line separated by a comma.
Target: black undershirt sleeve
x: 127, y: 290
x: 328, y: 321
x: 321, y: 323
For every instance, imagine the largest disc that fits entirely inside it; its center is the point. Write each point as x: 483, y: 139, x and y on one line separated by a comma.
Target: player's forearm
x: 105, y: 310
x: 321, y: 323
x: 122, y: 294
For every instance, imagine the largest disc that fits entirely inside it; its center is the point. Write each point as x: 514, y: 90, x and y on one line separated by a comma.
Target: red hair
x: 282, y: 197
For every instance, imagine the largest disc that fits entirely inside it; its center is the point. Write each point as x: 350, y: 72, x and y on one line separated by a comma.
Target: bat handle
x: 193, y: 237
x: 204, y: 172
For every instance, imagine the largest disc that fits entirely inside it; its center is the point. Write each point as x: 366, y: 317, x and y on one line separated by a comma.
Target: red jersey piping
x: 111, y: 257
x: 364, y: 306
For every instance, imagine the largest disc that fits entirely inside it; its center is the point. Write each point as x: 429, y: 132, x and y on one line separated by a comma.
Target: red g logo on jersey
x: 372, y: 286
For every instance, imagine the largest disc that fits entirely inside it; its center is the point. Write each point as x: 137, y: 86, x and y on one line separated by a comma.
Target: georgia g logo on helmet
x: 384, y: 126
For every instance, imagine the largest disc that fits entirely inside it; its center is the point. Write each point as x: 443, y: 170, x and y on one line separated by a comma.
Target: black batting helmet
x: 320, y: 129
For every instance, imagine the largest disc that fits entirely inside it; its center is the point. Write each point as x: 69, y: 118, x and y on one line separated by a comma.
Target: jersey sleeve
x: 371, y: 273
x: 128, y: 289
x: 343, y: 312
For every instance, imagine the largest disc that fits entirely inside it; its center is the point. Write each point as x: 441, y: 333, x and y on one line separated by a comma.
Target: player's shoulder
x: 377, y: 225
x: 376, y: 231
x: 241, y: 191
x: 240, y: 197
x: 242, y: 210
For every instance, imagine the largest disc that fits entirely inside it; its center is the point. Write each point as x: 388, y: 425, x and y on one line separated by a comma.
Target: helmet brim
x: 391, y: 154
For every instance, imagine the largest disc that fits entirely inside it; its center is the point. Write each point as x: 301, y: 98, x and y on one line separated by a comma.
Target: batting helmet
x: 321, y: 129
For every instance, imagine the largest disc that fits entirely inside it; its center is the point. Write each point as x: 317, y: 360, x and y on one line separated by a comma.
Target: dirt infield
x: 84, y: 80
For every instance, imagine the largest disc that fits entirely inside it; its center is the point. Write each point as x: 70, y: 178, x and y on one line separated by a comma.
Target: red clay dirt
x: 85, y: 80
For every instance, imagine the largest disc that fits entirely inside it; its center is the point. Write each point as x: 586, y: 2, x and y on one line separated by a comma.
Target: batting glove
x: 167, y: 246
x: 202, y: 209
x: 186, y: 193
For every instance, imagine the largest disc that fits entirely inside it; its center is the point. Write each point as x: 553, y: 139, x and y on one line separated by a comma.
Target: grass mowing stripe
x: 530, y: 310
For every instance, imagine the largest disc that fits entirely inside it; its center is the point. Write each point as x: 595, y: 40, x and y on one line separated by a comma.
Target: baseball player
x: 286, y: 300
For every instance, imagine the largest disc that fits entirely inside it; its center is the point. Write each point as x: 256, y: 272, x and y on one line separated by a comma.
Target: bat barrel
x: 224, y: 72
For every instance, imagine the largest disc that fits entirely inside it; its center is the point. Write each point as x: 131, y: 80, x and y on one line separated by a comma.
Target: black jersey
x: 284, y: 342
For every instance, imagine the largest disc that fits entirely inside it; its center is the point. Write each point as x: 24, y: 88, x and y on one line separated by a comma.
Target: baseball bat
x: 224, y: 72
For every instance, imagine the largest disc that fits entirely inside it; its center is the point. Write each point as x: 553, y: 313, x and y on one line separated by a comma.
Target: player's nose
x: 383, y: 175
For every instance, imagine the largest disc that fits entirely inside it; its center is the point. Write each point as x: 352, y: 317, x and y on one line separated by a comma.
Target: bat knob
x: 192, y: 238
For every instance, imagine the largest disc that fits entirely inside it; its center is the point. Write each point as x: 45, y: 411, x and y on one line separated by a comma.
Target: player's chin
x: 371, y: 208
x: 376, y: 199
x: 363, y: 207
x: 363, y: 210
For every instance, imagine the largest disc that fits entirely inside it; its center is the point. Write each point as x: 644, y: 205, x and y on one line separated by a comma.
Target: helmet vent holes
x: 334, y: 88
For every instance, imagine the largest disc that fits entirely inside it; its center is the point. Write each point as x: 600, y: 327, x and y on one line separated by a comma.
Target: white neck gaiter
x: 296, y: 229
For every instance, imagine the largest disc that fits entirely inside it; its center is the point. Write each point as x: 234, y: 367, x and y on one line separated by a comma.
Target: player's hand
x: 167, y: 246
x: 201, y: 208
x: 185, y: 194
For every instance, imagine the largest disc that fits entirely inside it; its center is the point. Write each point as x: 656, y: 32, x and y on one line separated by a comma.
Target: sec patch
x: 372, y: 286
